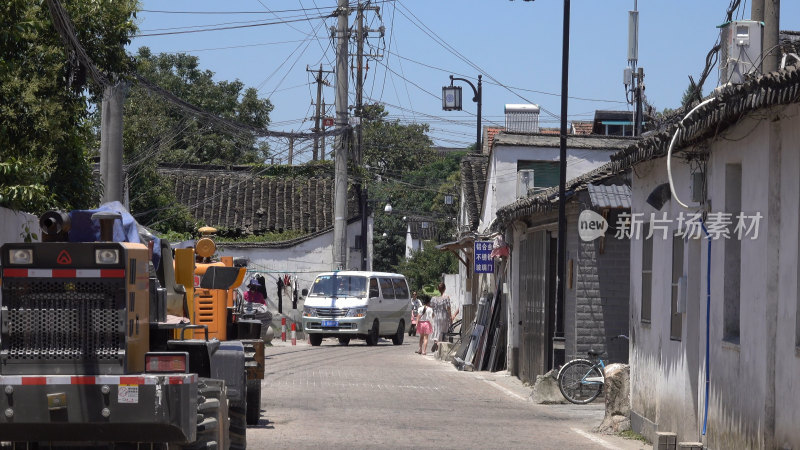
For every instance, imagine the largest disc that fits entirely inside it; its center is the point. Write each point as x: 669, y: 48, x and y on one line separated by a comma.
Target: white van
x: 355, y: 304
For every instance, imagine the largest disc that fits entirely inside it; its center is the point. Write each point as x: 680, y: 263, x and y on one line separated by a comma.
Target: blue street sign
x: 483, y: 262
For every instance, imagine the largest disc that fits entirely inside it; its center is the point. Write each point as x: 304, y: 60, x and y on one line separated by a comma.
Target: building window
x: 676, y: 316
x: 647, y: 273
x: 536, y: 176
x: 733, y: 257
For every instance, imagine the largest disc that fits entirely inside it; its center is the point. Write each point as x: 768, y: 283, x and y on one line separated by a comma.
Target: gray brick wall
x: 599, y: 298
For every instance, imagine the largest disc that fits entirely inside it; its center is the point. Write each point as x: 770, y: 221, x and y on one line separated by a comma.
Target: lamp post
x: 451, y: 101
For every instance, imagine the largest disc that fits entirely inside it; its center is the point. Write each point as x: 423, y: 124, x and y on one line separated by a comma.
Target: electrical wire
x: 263, y: 24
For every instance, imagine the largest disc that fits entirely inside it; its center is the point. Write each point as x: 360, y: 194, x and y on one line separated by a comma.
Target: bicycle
x: 581, y: 380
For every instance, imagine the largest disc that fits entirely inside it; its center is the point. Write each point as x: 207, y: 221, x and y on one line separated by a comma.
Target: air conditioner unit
x: 524, y: 182
x: 740, y: 50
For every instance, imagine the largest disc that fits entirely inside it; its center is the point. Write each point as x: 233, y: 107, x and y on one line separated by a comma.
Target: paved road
x: 389, y: 397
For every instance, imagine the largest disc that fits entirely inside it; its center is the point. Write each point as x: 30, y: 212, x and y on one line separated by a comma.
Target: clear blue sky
x: 517, y: 44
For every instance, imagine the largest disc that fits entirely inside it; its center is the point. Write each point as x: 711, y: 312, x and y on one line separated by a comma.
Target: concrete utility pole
x: 322, y: 149
x: 291, y: 150
x: 111, y: 141
x: 340, y: 182
x: 771, y: 42
x: 768, y: 12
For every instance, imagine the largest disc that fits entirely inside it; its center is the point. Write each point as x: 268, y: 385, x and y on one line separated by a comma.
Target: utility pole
x: 340, y: 167
x: 318, y: 116
x: 771, y: 43
x: 322, y: 153
x: 111, y: 141
x: 361, y: 189
x: 637, y: 126
x: 291, y: 150
x: 562, y: 201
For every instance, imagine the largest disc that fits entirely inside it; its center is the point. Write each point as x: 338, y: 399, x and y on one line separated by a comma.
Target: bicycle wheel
x: 572, y: 381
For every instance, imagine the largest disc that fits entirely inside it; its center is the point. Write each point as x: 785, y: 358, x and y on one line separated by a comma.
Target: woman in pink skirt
x: 424, y: 325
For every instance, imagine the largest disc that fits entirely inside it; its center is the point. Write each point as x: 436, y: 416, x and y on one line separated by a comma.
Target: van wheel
x: 344, y: 340
x: 397, y: 339
x: 316, y: 339
x: 372, y: 336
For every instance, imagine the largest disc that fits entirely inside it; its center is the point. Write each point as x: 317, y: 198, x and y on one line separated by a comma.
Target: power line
x: 281, y: 22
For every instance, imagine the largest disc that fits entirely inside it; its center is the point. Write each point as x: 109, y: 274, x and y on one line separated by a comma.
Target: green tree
x: 156, y: 131
x: 22, y: 189
x: 419, y: 193
x: 45, y: 94
x: 391, y: 148
x: 427, y: 265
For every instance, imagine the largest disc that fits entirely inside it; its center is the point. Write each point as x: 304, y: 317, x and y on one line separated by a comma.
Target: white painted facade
x: 754, y: 395
x: 304, y: 260
x: 501, y: 183
x: 13, y: 224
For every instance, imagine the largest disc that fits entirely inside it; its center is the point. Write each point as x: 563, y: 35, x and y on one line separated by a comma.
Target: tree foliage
x: 22, y: 189
x: 391, y: 148
x: 419, y: 194
x: 426, y: 266
x: 45, y: 93
x: 156, y: 131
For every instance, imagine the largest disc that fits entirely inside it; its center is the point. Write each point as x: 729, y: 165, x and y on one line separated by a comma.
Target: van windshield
x: 339, y: 286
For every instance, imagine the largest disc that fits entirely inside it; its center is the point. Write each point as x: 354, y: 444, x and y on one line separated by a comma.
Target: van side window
x: 373, y: 288
x: 387, y: 288
x: 400, y: 288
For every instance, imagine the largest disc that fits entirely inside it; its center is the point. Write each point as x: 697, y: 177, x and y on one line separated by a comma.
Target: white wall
x: 455, y: 289
x: 304, y: 260
x: 12, y: 225
x: 754, y: 389
x: 501, y: 185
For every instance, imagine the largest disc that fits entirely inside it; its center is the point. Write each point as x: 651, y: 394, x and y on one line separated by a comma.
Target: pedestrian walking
x: 443, y: 316
x: 424, y: 326
x: 415, y: 304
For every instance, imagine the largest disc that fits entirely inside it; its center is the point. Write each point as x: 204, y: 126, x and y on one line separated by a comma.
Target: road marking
x: 506, y: 391
x: 593, y: 438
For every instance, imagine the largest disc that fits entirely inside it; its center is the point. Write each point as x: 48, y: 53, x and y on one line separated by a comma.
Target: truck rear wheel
x: 212, y: 417
x: 238, y: 417
x: 253, y: 401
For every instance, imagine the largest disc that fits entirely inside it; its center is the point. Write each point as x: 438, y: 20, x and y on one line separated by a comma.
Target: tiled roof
x: 573, y: 141
x: 244, y: 201
x: 473, y: 182
x: 582, y: 126
x: 555, y: 131
x: 729, y: 104
x: 612, y: 196
x: 491, y: 132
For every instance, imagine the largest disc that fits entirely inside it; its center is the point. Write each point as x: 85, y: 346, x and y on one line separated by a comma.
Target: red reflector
x: 23, y: 273
x: 82, y: 380
x: 112, y: 273
x: 63, y: 273
x: 165, y: 363
x: 34, y: 380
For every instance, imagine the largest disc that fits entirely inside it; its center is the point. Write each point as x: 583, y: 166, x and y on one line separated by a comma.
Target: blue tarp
x: 84, y: 229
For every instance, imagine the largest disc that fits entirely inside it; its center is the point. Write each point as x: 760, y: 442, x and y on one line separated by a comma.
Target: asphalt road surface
x: 387, y: 396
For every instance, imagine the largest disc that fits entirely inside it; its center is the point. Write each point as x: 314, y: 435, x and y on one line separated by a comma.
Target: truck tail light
x: 163, y: 362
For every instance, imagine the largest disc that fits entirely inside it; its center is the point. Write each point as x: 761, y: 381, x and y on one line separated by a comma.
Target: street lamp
x: 451, y: 101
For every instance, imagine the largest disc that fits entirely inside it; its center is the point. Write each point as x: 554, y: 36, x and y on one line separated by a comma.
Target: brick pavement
x: 389, y: 397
